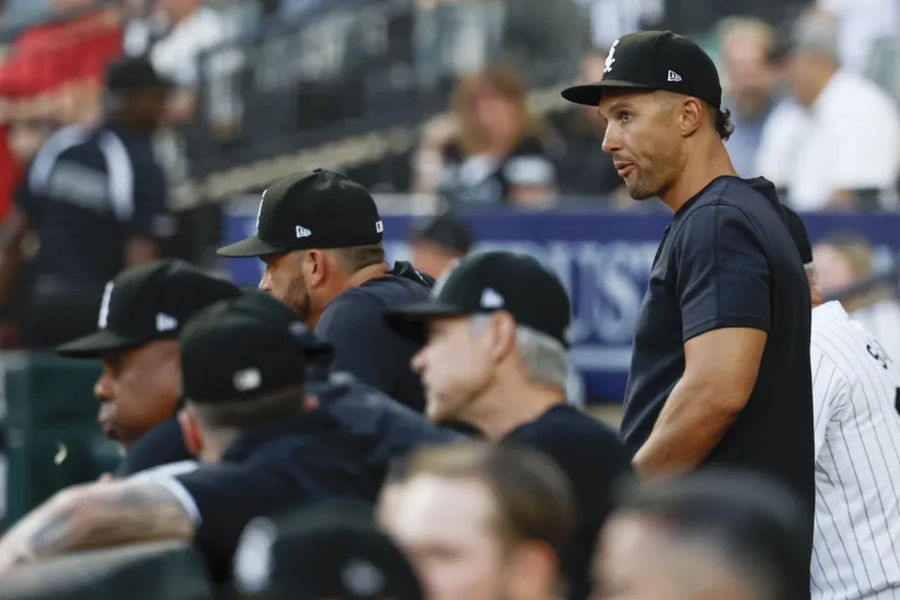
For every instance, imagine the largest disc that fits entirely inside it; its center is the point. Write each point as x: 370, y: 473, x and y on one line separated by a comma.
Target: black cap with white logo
x: 492, y: 281
x: 327, y: 550
x: 243, y: 348
x: 148, y: 302
x: 321, y: 209
x: 654, y: 60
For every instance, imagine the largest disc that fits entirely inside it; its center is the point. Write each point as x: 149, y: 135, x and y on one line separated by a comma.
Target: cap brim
x: 252, y: 246
x: 590, y: 94
x: 419, y: 312
x: 95, y: 344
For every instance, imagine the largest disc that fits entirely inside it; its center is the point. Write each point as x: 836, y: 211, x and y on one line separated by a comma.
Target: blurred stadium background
x: 441, y: 106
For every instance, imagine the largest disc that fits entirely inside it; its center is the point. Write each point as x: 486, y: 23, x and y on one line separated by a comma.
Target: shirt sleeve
x: 830, y: 393
x: 722, y: 275
x: 354, y: 324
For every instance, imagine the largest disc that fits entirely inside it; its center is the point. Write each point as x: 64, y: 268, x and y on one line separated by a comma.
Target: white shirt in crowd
x: 849, y: 139
x: 176, y: 55
x: 856, y: 542
x: 860, y: 24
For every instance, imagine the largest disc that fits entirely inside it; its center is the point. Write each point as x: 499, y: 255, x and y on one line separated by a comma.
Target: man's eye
x: 625, y: 116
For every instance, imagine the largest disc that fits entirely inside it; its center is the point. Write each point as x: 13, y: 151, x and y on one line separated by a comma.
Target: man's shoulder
x: 565, y: 423
x: 401, y: 285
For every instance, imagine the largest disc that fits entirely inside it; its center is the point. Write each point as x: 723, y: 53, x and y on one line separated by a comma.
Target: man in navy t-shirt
x: 319, y: 235
x: 720, y: 372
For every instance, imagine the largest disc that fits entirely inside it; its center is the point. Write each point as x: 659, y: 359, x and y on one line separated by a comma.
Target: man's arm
x: 720, y: 371
x: 99, y: 514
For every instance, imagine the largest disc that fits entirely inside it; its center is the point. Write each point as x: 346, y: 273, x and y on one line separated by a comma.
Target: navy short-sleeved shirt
x: 365, y: 345
x: 727, y: 260
x: 593, y: 459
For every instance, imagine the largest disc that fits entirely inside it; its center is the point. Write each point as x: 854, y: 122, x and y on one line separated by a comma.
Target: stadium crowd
x: 355, y: 429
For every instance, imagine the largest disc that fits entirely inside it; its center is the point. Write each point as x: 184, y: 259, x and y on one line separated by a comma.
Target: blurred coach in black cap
x: 248, y: 417
x: 720, y: 371
x: 319, y: 235
x: 439, y: 243
x: 328, y: 551
x: 141, y: 314
x: 495, y: 359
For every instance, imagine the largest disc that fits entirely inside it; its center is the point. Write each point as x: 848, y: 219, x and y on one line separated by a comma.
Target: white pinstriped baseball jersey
x: 856, y: 543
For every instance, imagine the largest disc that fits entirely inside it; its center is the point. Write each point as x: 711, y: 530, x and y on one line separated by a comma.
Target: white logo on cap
x: 303, y: 232
x: 490, y: 298
x: 362, y: 578
x: 165, y: 322
x: 253, y: 561
x: 247, y: 379
x: 673, y: 76
x: 379, y: 227
x: 104, y: 306
x: 610, y: 58
x: 259, y: 212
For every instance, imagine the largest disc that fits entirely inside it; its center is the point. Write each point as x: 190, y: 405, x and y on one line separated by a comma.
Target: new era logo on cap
x: 302, y: 232
x: 379, y: 227
x: 165, y: 322
x: 490, y: 298
x: 247, y: 379
x: 673, y: 76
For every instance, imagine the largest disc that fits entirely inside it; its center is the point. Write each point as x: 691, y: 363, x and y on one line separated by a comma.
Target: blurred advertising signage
x: 602, y: 258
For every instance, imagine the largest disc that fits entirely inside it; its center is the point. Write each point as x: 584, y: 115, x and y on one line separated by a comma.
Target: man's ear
x: 315, y: 265
x: 502, y: 334
x: 309, y: 403
x: 692, y: 115
x: 191, y: 432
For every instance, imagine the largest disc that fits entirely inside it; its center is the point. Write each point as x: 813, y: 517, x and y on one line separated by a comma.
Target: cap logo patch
x: 302, y: 232
x: 610, y: 58
x: 247, y: 379
x: 673, y: 76
x: 490, y: 298
x: 362, y: 578
x: 165, y: 322
x: 259, y: 212
x: 379, y: 227
x: 103, y: 317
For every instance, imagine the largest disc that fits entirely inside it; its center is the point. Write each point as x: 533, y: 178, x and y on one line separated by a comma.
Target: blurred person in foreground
x: 844, y: 260
x: 439, y: 243
x: 327, y: 551
x: 263, y: 443
x: 749, y: 83
x: 723, y: 535
x: 856, y: 400
x: 495, y: 359
x: 483, y: 522
x: 490, y: 150
x: 319, y: 235
x: 720, y: 371
x: 837, y: 145
x: 142, y: 312
x: 95, y: 199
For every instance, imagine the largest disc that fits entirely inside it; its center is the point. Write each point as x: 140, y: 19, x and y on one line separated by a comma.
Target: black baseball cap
x: 326, y: 550
x: 244, y: 347
x: 447, y: 231
x: 149, y: 302
x: 654, y: 60
x: 491, y: 281
x: 133, y: 73
x: 318, y: 209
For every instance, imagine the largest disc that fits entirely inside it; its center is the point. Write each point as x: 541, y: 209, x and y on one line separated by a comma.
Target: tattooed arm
x: 99, y: 514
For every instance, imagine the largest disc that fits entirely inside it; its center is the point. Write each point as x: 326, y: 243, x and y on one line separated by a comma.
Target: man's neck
x: 367, y: 273
x: 512, y: 404
x: 700, y: 168
x: 345, y: 283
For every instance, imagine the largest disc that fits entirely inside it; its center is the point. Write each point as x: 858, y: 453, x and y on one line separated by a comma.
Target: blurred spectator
x: 842, y: 261
x: 483, y: 522
x: 548, y: 37
x: 439, y: 243
x: 838, y: 144
x: 749, y: 80
x: 452, y: 37
x: 329, y: 550
x: 490, y: 150
x: 611, y: 19
x: 707, y: 535
x: 584, y: 169
x: 860, y: 24
x: 95, y: 199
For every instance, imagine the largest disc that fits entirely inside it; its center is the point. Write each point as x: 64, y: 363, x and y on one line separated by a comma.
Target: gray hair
x: 544, y: 356
x: 816, y: 33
